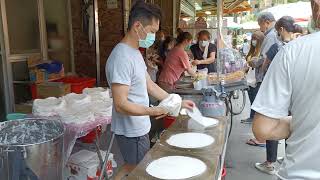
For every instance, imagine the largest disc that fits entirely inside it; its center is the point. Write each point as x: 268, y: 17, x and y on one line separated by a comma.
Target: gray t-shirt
x: 126, y: 66
x: 292, y: 83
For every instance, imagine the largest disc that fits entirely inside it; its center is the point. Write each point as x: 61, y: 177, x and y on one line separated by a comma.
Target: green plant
x: 248, y: 18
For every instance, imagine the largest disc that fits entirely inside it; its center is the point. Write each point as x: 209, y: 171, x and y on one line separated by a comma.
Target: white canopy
x: 300, y: 11
x: 250, y: 25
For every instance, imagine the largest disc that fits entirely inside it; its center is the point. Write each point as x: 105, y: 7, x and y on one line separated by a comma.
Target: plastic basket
x: 78, y: 83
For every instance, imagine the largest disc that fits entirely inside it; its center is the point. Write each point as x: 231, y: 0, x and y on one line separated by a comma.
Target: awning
x: 230, y: 6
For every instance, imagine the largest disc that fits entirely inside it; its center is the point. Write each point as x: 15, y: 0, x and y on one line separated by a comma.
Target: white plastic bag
x: 251, y: 77
x: 48, y: 107
x: 172, y: 104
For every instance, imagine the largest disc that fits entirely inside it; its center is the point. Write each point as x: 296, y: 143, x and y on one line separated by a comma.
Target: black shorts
x: 133, y: 149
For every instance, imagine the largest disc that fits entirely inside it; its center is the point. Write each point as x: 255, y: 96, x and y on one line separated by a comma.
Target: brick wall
x: 111, y: 32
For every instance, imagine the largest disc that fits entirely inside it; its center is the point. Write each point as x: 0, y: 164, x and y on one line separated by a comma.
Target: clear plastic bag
x: 231, y: 61
x: 251, y: 77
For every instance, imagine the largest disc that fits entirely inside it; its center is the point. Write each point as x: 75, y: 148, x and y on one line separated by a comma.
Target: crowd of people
x: 170, y: 57
x: 264, y: 46
x: 260, y: 51
x: 285, y: 97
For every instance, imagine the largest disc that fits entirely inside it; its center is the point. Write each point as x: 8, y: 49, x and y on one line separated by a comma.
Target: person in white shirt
x: 292, y: 84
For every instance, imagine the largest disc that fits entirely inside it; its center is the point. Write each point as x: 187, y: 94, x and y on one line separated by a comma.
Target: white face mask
x: 204, y: 43
x: 254, y: 43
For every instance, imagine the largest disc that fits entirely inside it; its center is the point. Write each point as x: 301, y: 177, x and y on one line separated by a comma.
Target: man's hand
x: 196, y: 62
x: 188, y: 104
x: 157, y: 111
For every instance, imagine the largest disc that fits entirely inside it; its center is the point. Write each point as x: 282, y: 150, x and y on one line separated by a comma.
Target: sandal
x: 254, y: 142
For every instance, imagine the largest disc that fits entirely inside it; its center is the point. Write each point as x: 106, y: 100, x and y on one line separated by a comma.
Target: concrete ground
x: 242, y: 157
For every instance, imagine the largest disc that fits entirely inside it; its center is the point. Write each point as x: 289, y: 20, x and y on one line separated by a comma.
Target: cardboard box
x: 37, y: 75
x: 84, y: 165
x: 25, y: 108
x: 52, y: 89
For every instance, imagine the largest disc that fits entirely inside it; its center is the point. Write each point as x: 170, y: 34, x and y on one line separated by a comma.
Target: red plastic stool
x: 89, y: 138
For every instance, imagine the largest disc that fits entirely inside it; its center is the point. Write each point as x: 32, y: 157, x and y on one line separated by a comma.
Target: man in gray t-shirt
x: 130, y: 85
x: 126, y: 66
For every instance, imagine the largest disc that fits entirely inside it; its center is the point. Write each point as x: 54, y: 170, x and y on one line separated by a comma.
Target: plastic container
x: 197, y: 85
x: 78, y: 83
x: 167, y: 121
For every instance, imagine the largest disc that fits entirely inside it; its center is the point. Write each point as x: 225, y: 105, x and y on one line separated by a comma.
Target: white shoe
x: 266, y: 168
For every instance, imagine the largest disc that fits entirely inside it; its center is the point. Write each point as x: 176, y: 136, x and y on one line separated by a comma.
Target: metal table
x: 212, y: 155
x: 228, y: 87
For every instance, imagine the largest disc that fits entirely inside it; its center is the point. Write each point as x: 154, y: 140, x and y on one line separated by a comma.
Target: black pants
x: 272, y: 146
x: 252, y: 95
x: 272, y: 150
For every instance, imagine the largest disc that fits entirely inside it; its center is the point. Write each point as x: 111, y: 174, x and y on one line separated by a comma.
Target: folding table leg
x: 97, y: 144
x: 103, y: 168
